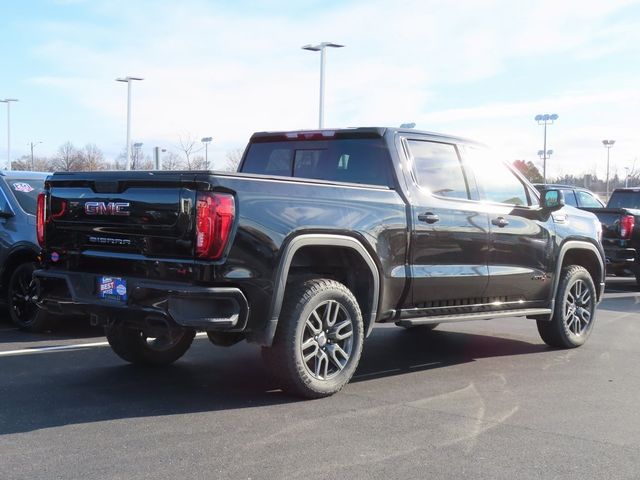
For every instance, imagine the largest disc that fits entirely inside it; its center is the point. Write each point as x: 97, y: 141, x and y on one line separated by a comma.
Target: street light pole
x: 608, y: 144
x: 128, y: 81
x: 8, y: 102
x: 626, y: 177
x: 321, y: 47
x: 545, y: 119
x: 33, y: 144
x: 206, y: 141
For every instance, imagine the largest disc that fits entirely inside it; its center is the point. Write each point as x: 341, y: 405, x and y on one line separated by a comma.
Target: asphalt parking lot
x: 483, y: 399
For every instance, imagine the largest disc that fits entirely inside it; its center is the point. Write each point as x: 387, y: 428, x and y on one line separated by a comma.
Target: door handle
x: 428, y: 217
x: 500, y: 222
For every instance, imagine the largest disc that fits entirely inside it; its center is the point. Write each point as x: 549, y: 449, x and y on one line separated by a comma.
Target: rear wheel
x: 319, y: 339
x: 23, y: 311
x: 574, y: 313
x: 135, y: 346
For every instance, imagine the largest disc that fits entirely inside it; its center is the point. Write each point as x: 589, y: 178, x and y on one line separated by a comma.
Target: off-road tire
x: 556, y: 333
x: 285, y: 358
x: 23, y: 312
x: 131, y: 345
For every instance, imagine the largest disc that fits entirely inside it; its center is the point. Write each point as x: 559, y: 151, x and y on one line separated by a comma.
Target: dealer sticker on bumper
x: 113, y: 288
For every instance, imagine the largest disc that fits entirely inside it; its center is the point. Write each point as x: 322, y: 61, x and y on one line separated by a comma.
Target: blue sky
x: 477, y: 68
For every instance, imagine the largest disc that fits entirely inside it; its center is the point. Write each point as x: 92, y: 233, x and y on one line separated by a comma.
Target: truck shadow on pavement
x: 92, y: 385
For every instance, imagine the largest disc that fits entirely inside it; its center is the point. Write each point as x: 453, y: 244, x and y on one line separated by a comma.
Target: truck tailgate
x: 112, y: 214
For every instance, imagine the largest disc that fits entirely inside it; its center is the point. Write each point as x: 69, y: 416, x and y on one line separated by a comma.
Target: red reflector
x: 311, y: 134
x: 626, y: 226
x: 41, y: 218
x: 215, y: 213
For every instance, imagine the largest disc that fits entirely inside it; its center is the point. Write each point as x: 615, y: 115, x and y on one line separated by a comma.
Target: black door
x: 521, y: 244
x: 450, y: 234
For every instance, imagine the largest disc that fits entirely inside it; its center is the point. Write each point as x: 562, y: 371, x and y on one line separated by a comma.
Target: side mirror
x: 552, y: 200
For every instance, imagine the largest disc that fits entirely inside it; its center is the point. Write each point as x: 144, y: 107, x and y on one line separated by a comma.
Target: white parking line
x: 62, y: 348
x: 27, y: 351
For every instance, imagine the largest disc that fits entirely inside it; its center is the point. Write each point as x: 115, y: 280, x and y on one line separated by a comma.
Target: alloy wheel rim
x: 21, y: 303
x: 327, y: 340
x: 578, y: 309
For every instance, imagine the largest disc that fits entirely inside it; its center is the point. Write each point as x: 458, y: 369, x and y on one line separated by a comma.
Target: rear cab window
x: 625, y: 199
x: 362, y: 160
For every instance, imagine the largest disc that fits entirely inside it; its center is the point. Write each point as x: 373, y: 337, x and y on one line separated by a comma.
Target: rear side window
x: 587, y: 200
x: 26, y: 192
x: 569, y: 198
x: 437, y: 168
x: 364, y: 161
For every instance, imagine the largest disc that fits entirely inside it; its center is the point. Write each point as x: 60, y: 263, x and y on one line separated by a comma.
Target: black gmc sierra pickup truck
x: 320, y: 235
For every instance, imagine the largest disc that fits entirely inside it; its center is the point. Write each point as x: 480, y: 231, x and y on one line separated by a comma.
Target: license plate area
x: 112, y: 288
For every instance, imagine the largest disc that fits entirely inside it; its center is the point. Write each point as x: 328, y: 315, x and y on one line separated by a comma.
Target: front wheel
x: 21, y: 291
x: 319, y: 339
x: 135, y: 346
x: 574, y: 312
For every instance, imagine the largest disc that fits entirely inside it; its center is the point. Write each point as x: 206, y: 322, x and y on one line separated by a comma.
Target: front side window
x: 437, y: 168
x: 497, y: 183
x: 569, y: 198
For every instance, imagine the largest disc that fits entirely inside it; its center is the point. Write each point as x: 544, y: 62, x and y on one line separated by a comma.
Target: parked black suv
x: 320, y: 235
x: 19, y: 248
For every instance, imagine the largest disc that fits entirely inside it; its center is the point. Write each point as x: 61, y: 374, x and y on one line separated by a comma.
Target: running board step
x: 409, y: 322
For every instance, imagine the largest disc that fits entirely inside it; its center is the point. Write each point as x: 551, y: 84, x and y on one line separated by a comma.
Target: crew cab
x: 621, y: 232
x: 320, y: 235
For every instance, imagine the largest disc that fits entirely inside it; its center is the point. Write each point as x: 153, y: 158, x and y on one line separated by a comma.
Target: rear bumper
x: 621, y: 260
x: 148, y: 302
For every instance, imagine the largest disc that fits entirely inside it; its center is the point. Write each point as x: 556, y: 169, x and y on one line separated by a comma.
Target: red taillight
x: 214, y: 219
x: 41, y: 216
x: 626, y: 226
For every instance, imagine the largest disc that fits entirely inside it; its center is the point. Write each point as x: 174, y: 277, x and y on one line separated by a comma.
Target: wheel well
x: 587, y: 259
x: 338, y: 263
x: 12, y: 262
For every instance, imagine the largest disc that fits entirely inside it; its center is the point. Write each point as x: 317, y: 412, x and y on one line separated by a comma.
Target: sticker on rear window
x: 22, y: 187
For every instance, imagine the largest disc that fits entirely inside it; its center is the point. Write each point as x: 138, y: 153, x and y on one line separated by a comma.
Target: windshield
x: 26, y: 192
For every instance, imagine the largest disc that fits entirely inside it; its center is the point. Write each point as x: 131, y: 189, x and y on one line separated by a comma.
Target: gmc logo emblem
x: 111, y: 208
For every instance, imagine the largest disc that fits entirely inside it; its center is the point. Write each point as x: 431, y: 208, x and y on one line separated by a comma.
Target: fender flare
x: 282, y: 273
x: 576, y: 245
x: 19, y: 248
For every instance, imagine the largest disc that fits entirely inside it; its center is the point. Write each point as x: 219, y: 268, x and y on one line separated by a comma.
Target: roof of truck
x: 355, y: 132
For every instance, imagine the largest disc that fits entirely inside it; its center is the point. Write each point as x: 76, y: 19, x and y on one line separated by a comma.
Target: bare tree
x: 188, y: 146
x: 91, y: 158
x: 67, y: 159
x: 172, y: 161
x: 232, y: 159
x: 198, y: 163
